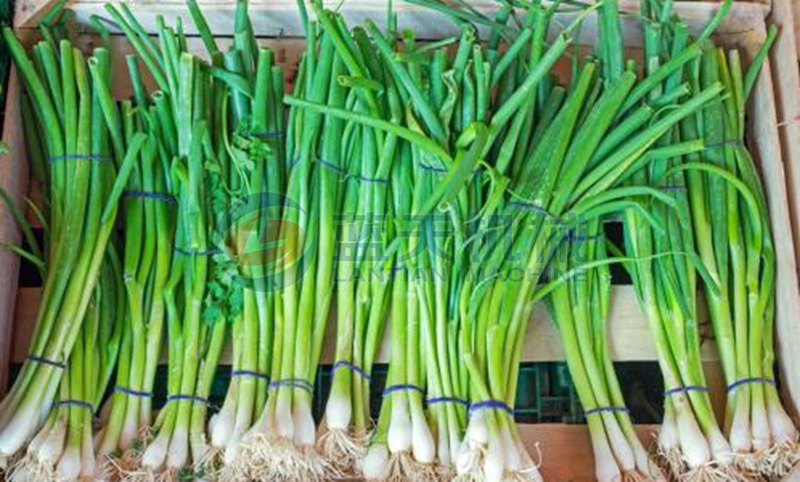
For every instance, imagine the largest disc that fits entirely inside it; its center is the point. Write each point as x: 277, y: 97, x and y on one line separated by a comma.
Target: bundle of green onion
x: 355, y: 166
x: 89, y: 163
x: 252, y: 176
x: 148, y: 231
x: 734, y: 241
x: 580, y: 309
x: 734, y: 256
x: 200, y: 297
x: 63, y: 449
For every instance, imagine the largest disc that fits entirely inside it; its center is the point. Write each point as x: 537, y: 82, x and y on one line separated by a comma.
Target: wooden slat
x: 27, y: 13
x: 796, y: 7
x: 784, y: 60
x: 629, y: 338
x: 14, y: 180
x: 281, y: 18
x: 566, y: 451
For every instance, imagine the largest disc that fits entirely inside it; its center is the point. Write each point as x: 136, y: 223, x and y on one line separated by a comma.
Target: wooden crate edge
x: 14, y: 180
x: 784, y: 62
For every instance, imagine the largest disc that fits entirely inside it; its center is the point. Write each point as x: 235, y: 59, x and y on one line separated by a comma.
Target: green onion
x: 84, y: 190
x: 734, y: 242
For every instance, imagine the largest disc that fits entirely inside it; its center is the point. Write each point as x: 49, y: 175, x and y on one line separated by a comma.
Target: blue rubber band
x: 267, y: 134
x: 599, y: 410
x: 186, y: 398
x: 188, y: 252
x: 744, y: 381
x: 297, y: 383
x: 429, y: 168
x: 333, y: 167
x: 45, y: 361
x: 75, y: 403
x: 353, y: 368
x: 674, y: 188
x: 686, y: 389
x: 491, y: 404
x: 80, y: 157
x: 442, y: 400
x: 373, y: 180
x: 132, y: 393
x: 157, y: 196
x: 405, y: 387
x: 250, y: 373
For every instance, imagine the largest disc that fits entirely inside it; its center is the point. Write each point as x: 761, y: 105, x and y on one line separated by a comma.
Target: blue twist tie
x: 186, y: 398
x: 297, y: 383
x: 606, y: 410
x: 491, y: 404
x: 157, y: 196
x: 442, y: 400
x: 80, y: 157
x: 188, y: 252
x: 429, y: 168
x: 405, y: 387
x: 674, y: 188
x: 267, y: 134
x: 744, y: 381
x: 250, y: 373
x: 132, y: 393
x: 373, y: 180
x: 353, y: 368
x: 45, y: 361
x: 75, y: 403
x: 331, y: 166
x: 686, y: 389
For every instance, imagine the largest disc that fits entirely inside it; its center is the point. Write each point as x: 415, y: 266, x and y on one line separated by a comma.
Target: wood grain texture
x: 280, y: 18
x: 796, y: 8
x: 783, y: 59
x: 785, y: 56
x: 27, y: 13
x: 565, y: 450
x: 14, y: 180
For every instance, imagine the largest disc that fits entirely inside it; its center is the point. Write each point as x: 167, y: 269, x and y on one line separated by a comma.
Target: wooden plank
x: 565, y: 451
x: 796, y: 7
x: 280, y: 18
x: 28, y: 12
x: 14, y: 180
x: 629, y: 338
x: 783, y: 59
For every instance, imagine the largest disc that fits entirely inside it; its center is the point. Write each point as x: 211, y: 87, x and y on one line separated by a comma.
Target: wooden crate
x: 784, y: 61
x: 796, y: 7
x: 560, y: 445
